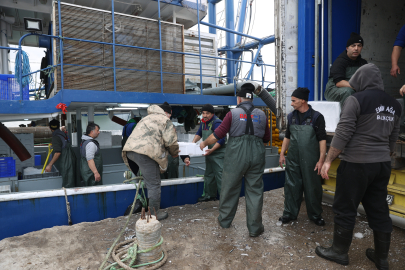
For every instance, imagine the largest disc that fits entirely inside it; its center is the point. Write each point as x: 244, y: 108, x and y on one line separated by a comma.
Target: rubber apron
x: 87, y: 174
x: 214, y: 164
x: 303, y: 154
x: 66, y: 165
x: 172, y: 168
x: 334, y: 93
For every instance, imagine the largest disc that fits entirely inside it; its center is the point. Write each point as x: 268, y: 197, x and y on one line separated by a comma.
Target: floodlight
x: 32, y: 24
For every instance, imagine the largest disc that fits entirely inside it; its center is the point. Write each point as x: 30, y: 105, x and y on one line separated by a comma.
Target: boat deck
x: 194, y: 240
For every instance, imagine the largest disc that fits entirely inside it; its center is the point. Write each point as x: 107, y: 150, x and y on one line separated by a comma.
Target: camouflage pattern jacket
x: 154, y: 136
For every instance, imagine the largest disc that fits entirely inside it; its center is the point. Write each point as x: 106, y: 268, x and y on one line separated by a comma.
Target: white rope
x: 67, y: 207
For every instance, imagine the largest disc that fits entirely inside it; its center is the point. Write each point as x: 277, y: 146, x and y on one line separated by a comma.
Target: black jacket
x: 338, y: 69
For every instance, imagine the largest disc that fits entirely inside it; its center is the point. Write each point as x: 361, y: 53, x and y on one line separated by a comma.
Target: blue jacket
x: 215, y: 125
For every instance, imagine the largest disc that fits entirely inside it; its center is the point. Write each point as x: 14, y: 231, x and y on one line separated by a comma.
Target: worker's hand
x: 97, y: 177
x: 208, y: 152
x: 48, y: 168
x: 402, y: 90
x: 187, y: 161
x: 202, y: 145
x: 394, y: 70
x: 281, y: 161
x: 325, y: 170
x: 318, y: 166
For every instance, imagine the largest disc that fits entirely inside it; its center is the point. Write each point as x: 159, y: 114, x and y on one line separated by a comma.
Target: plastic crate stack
x: 7, y: 167
x: 275, y: 132
x: 10, y: 88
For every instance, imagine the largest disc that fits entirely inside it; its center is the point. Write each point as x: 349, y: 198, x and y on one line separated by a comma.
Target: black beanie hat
x: 54, y: 124
x: 301, y: 93
x: 208, y: 108
x: 246, y: 91
x: 354, y: 38
x: 166, y: 107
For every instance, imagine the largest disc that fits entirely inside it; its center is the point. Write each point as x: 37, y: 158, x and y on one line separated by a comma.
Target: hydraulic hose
x: 15, y: 144
x: 267, y: 98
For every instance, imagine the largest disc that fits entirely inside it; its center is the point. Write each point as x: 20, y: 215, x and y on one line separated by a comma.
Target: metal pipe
x: 329, y: 35
x: 241, y: 22
x: 230, y: 30
x: 230, y: 39
x: 9, y: 48
x: 90, y: 114
x: 199, y: 45
x: 79, y: 130
x: 14, y: 143
x: 226, y: 89
x: 322, y: 46
x: 212, y: 16
x: 253, y: 64
x: 160, y: 47
x: 113, y: 36
x: 316, y: 50
x: 69, y: 124
x: 3, y: 38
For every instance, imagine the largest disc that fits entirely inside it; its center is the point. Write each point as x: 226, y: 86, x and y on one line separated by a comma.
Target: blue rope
x: 26, y: 80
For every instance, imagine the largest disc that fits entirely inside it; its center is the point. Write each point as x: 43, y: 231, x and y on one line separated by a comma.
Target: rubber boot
x: 379, y: 256
x: 155, y: 206
x: 338, y: 252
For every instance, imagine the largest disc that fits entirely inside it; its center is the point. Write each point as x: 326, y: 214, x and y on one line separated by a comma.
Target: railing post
x: 113, y: 34
x: 160, y: 48
x: 60, y: 46
x: 199, y: 46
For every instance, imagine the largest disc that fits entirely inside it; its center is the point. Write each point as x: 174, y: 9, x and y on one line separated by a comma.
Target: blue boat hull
x: 20, y: 216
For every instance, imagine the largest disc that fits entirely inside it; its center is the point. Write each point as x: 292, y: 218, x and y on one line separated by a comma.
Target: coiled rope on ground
x: 130, y: 246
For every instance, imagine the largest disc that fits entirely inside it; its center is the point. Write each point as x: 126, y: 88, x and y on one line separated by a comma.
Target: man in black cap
x: 214, y: 157
x: 244, y: 156
x: 305, y: 139
x: 64, y: 158
x: 345, y: 65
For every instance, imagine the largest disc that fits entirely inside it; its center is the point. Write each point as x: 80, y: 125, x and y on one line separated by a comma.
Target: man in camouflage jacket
x: 149, y: 145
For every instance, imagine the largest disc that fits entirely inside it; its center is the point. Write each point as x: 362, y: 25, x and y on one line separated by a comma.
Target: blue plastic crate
x: 7, y: 167
x: 10, y: 88
x: 38, y: 161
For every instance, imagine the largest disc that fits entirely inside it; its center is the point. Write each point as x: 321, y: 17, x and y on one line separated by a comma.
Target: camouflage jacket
x: 154, y: 136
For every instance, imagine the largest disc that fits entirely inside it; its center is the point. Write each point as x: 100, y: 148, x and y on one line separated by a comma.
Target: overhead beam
x: 27, y: 5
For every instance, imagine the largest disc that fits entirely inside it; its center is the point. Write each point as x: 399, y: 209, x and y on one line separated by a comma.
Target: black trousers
x: 365, y: 183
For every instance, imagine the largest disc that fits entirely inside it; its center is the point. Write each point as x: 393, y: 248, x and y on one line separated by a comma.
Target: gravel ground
x: 194, y: 240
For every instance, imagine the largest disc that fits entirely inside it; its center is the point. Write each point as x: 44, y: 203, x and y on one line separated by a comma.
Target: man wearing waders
x: 244, y: 156
x: 149, y: 145
x: 345, y: 65
x: 64, y: 158
x: 91, y: 162
x: 214, y: 157
x: 365, y: 138
x: 305, y: 139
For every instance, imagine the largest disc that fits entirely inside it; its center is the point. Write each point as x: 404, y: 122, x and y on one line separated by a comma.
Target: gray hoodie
x: 91, y: 148
x: 369, y: 121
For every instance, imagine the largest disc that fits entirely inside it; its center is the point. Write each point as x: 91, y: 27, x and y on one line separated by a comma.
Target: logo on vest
x: 383, y: 109
x: 255, y: 118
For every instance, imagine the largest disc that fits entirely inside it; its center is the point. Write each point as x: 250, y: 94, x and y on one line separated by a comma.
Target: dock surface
x: 194, y: 240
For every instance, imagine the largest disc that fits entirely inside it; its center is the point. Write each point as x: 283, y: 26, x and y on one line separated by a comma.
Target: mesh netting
x: 132, y: 65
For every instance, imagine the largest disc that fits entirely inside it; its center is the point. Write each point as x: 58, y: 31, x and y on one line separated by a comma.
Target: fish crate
x: 7, y: 167
x: 10, y: 88
x: 54, y: 172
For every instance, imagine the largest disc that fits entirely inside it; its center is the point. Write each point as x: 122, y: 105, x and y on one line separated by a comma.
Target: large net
x: 89, y: 66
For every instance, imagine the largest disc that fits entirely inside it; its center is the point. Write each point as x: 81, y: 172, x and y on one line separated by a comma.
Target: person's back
x: 369, y: 121
x: 127, y: 130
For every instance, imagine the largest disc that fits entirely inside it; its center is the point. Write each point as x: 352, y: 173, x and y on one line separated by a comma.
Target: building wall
x: 381, y: 21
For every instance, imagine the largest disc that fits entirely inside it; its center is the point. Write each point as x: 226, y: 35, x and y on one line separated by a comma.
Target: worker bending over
x: 305, y: 139
x: 214, y: 156
x: 244, y: 156
x: 345, y: 65
x: 149, y: 145
x: 64, y: 158
x: 365, y: 136
x: 91, y: 162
